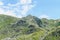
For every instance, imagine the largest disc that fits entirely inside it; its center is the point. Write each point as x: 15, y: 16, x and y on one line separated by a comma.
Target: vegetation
x: 29, y: 28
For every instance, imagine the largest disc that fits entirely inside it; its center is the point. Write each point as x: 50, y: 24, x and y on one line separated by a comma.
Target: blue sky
x: 40, y: 8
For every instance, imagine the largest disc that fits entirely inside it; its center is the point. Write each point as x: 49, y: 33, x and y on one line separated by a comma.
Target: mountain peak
x: 30, y: 16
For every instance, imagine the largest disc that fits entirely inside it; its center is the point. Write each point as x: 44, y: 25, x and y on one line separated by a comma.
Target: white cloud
x: 23, y: 1
x: 1, y: 3
x: 26, y: 1
x: 27, y: 5
x: 26, y: 8
x: 44, y: 16
x: 10, y: 13
x: 21, y: 8
x: 2, y: 11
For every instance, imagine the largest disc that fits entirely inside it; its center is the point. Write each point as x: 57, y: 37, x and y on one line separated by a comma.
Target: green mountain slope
x: 26, y: 28
x: 5, y: 21
x: 55, y: 35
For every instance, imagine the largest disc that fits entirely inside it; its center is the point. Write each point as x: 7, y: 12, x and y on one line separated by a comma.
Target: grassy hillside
x: 27, y: 28
x: 5, y: 21
x: 54, y: 35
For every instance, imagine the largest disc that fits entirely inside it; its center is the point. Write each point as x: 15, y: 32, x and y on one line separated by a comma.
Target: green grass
x: 28, y: 28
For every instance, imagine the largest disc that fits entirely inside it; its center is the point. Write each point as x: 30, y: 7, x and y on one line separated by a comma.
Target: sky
x: 40, y: 8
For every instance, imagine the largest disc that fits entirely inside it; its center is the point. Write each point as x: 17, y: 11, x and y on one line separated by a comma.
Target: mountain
x: 55, y: 35
x: 26, y: 28
x: 5, y: 21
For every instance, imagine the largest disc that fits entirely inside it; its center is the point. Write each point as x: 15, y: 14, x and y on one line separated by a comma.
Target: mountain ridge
x: 26, y: 27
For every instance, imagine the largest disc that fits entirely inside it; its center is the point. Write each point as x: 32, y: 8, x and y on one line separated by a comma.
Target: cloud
x: 2, y: 11
x: 1, y: 3
x: 26, y: 8
x: 26, y: 1
x: 19, y: 9
x: 44, y: 16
